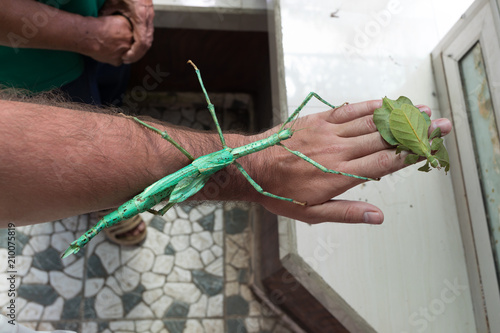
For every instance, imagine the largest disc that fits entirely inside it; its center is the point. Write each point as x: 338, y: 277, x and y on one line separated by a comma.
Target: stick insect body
x: 186, y: 182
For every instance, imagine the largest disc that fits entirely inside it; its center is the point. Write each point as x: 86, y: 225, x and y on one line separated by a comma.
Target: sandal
x: 117, y: 233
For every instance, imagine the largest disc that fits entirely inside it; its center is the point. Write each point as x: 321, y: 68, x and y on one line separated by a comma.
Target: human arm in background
x: 141, y: 14
x: 103, y: 38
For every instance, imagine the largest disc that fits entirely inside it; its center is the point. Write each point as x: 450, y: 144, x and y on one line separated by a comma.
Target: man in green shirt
x: 67, y: 43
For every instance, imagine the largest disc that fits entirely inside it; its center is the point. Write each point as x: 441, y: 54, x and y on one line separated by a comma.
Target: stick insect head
x: 433, y: 161
x: 285, y: 133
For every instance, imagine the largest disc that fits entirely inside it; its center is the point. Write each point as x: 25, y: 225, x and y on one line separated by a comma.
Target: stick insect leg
x: 321, y: 167
x: 260, y: 190
x: 301, y: 106
x: 163, y: 210
x: 164, y: 135
x: 211, y: 107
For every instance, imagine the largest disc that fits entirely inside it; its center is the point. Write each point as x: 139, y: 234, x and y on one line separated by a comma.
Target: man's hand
x: 108, y: 40
x: 141, y: 14
x: 344, y: 139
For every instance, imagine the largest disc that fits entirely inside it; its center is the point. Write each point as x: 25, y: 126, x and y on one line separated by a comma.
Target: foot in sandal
x: 127, y: 232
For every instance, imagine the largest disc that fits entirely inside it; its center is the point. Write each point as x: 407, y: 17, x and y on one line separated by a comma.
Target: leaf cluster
x: 403, y: 125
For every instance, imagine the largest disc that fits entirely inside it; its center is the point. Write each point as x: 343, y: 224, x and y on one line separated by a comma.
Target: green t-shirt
x: 37, y: 69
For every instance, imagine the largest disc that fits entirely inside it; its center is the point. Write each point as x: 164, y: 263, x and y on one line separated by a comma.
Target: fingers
x: 142, y: 20
x: 137, y: 50
x: 369, y: 155
x: 356, y: 124
x: 357, y: 127
x: 357, y: 119
x: 424, y: 108
x: 140, y: 13
x: 113, y: 39
x: 342, y: 211
x: 354, y: 111
x: 378, y: 164
x: 365, y: 145
x: 442, y: 123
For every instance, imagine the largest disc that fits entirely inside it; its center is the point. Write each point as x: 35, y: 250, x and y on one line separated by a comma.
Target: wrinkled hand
x: 344, y: 139
x: 109, y: 39
x: 141, y: 14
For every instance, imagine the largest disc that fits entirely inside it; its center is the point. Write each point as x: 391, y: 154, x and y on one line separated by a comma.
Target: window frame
x: 479, y: 24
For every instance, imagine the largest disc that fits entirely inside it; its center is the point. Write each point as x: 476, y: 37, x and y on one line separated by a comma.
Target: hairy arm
x: 56, y: 162
x: 31, y: 24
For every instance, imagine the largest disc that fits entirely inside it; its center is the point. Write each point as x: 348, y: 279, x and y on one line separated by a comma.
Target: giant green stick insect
x: 403, y: 125
x: 187, y: 181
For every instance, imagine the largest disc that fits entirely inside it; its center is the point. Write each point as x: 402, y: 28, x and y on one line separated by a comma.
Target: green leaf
x: 381, y: 120
x: 436, y: 143
x: 409, y: 127
x: 401, y: 148
x: 403, y: 125
x: 425, y: 168
x: 443, y: 158
x: 427, y: 118
x: 397, y: 104
x: 436, y: 133
x: 411, y: 159
x: 382, y: 114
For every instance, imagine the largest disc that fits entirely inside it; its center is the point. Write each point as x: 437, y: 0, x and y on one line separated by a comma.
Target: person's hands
x: 344, y: 139
x: 141, y: 14
x: 108, y: 39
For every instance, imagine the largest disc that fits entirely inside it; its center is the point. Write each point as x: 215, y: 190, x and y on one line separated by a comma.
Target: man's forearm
x: 56, y: 162
x: 28, y: 23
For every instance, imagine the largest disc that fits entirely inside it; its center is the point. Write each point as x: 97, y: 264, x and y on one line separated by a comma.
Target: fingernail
x: 372, y: 218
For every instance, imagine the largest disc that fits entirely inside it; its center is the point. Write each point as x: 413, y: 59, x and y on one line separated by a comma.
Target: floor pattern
x: 190, y: 275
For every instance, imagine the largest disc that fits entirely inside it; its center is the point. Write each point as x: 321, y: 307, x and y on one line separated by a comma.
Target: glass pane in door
x: 482, y: 121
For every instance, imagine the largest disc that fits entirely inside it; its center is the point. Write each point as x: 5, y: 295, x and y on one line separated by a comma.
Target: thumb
x: 133, y: 54
x: 141, y: 44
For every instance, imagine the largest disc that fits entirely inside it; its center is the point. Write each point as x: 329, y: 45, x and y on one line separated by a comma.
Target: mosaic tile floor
x: 191, y: 274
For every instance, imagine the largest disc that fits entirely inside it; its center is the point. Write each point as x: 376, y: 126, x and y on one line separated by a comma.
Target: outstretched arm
x: 56, y: 162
